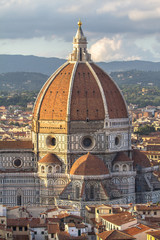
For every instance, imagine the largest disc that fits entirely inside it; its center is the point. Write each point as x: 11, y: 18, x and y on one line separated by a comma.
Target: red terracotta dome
x: 79, y: 90
x: 89, y: 165
x: 80, y: 96
x: 50, y: 158
x: 121, y: 157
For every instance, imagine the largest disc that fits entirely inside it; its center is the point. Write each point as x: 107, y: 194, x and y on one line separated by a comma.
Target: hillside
x: 20, y: 63
x: 27, y: 81
x: 133, y: 77
x: 22, y: 81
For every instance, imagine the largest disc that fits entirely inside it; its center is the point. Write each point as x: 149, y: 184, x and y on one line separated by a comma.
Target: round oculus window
x: 87, y: 142
x: 17, y: 162
x: 51, y: 141
x: 117, y: 141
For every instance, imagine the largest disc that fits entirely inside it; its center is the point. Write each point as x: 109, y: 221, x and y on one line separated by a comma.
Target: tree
x: 145, y: 130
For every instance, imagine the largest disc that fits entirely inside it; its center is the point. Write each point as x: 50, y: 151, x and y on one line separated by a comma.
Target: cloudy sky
x: 115, y: 29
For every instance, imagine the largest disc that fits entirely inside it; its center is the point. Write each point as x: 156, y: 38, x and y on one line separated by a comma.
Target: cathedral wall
x: 19, y: 189
x: 19, y: 159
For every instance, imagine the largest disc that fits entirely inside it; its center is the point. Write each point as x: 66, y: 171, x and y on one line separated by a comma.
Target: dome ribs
x: 54, y: 103
x: 115, y: 102
x: 86, y: 96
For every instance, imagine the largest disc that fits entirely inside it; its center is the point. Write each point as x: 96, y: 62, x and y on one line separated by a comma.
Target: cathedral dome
x: 89, y: 165
x: 79, y: 90
x: 50, y: 158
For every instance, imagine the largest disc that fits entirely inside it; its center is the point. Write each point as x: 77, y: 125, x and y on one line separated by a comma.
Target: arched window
x: 87, y: 193
x: 80, y: 54
x: 116, y: 168
x: 50, y: 182
x: 19, y: 200
x: 124, y: 168
x: 91, y: 192
x: 42, y: 169
x: 50, y: 169
x: 116, y: 181
x: 77, y: 191
x: 130, y: 167
x: 124, y: 180
x: 58, y: 169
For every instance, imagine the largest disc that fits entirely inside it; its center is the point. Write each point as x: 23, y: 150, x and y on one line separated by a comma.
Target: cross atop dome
x: 80, y: 46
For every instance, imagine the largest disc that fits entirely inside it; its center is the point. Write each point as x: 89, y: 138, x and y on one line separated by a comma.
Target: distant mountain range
x: 29, y: 73
x: 20, y: 63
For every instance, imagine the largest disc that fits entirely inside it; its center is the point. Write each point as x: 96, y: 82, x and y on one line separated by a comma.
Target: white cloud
x: 117, y: 48
x: 106, y: 49
x: 134, y: 9
x: 137, y: 15
x: 112, y: 6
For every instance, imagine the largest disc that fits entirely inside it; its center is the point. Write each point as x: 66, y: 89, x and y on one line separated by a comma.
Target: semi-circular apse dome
x: 89, y: 165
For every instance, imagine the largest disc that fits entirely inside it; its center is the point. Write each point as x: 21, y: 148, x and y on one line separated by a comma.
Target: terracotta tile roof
x: 60, y: 216
x: 119, y: 218
x: 121, y: 157
x: 81, y: 225
x: 20, y: 237
x: 75, y: 216
x: 115, y: 103
x: 36, y: 223
x: 53, y: 228
x: 16, y: 145
x: 139, y: 228
x: 51, y: 210
x: 50, y: 158
x: 52, y: 220
x: 147, y: 207
x: 32, y: 222
x: 71, y: 224
x: 86, y: 99
x: 3, y: 227
x: 67, y: 236
x: 140, y: 159
x: 155, y: 234
x: 63, y: 236
x: 114, y: 234
x: 17, y: 222
x: 55, y: 100
x: 152, y: 220
x: 88, y: 165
